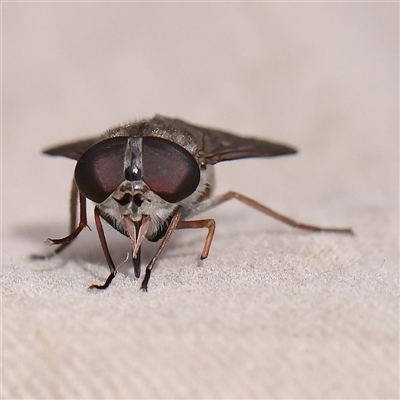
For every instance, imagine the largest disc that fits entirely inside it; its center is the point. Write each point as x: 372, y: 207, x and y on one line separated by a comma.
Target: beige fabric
x: 273, y: 312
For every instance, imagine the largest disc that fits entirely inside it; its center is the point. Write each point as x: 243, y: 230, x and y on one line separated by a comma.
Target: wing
x: 216, y: 146
x: 72, y: 150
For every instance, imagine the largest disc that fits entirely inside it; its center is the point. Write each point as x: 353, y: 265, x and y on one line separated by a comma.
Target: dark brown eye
x: 169, y: 169
x: 100, y: 170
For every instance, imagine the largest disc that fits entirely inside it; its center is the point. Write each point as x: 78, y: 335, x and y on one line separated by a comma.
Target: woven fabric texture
x: 274, y: 312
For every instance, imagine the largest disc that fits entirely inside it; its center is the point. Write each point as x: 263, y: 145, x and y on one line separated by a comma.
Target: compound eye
x: 169, y: 169
x: 100, y: 169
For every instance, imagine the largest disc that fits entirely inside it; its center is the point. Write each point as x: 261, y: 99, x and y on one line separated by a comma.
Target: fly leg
x: 202, y: 223
x: 74, y: 230
x: 265, y: 210
x: 113, y: 270
x: 172, y: 226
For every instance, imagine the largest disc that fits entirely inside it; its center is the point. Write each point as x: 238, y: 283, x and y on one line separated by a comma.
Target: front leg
x: 172, y: 226
x: 113, y: 270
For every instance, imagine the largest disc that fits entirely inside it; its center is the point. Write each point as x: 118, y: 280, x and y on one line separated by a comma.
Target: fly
x: 147, y: 178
